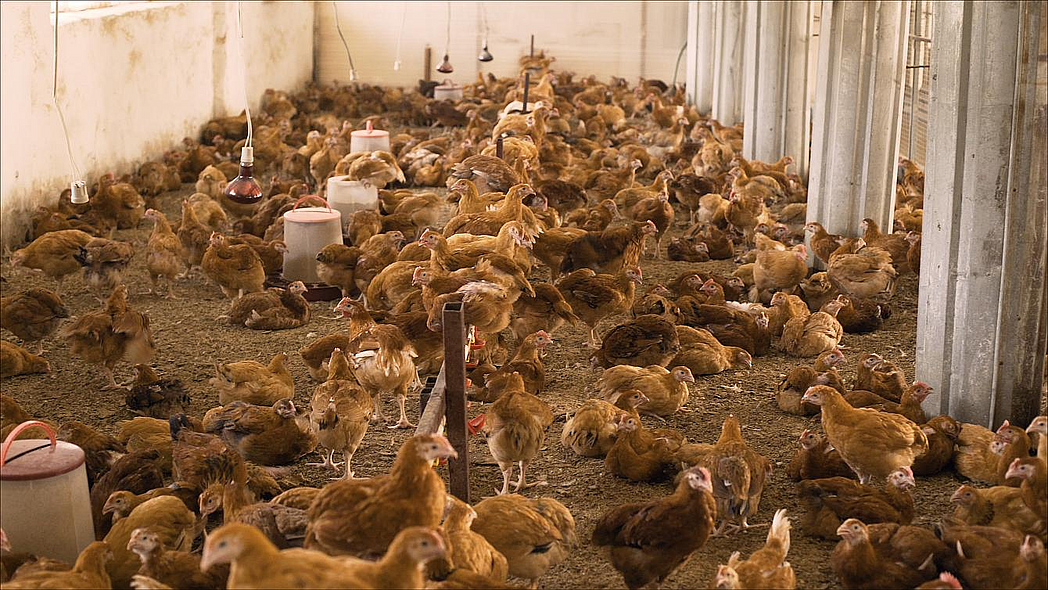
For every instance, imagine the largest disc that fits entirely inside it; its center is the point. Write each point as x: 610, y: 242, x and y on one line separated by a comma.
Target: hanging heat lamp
x: 244, y: 189
x: 485, y: 55
x: 445, y: 64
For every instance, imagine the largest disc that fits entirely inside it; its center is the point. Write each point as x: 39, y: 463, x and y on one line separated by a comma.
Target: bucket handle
x: 18, y: 430
x: 370, y: 126
x: 303, y: 198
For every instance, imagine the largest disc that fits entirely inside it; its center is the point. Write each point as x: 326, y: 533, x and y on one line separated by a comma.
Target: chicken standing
x: 164, y: 253
x: 115, y: 333
x: 340, y: 411
x: 236, y: 269
x: 53, y: 253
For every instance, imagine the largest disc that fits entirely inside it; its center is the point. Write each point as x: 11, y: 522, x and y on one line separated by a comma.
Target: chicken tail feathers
x: 779, y: 533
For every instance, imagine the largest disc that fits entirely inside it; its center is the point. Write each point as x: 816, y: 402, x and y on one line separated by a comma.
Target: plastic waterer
x: 447, y: 90
x: 307, y: 231
x: 369, y: 139
x: 350, y: 196
x: 45, y: 506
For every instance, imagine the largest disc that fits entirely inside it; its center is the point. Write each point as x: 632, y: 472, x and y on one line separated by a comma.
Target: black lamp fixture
x: 445, y: 64
x: 485, y: 55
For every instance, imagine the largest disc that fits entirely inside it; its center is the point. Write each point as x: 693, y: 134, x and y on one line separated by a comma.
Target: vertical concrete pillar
x: 728, y: 37
x: 700, y: 55
x: 858, y: 113
x: 775, y: 105
x: 982, y: 306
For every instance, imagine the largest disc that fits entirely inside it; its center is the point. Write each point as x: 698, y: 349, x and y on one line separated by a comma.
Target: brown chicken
x: 89, y: 571
x: 361, y: 517
x: 885, y: 555
x: 595, y: 218
x: 118, y: 201
x: 822, y: 243
x: 167, y: 516
x: 942, y: 434
x: 648, y: 541
x: 999, y: 506
x: 791, y: 389
x: 667, y: 390
x: 340, y: 412
x: 779, y: 270
x: 816, y: 459
x: 592, y: 430
x: 994, y: 557
x: 880, y: 376
x: 703, y: 354
x: 813, y: 335
x: 283, y: 525
x: 533, y: 534
x: 526, y: 362
x: 53, y: 253
x: 975, y: 458
x: 113, y: 334
x: 1034, y: 487
x: 165, y: 254
x: 872, y: 443
x: 336, y: 266
x: 765, y: 568
x: 195, y: 238
x: 862, y: 271
x: 253, y: 382
x: 547, y: 311
x: 515, y: 427
x: 1039, y: 426
x: 658, y: 210
x: 272, y: 309
x: 384, y: 362
x: 642, y: 341
x: 257, y: 563
x: 236, y: 269
x: 909, y: 405
x: 833, y: 500
x: 641, y: 455
x: 609, y: 251
x: 15, y: 360
x: 895, y: 244
x: 32, y: 315
x: 467, y: 549
x: 739, y: 475
x: 266, y: 436
x: 138, y: 471
x: 178, y: 569
x: 594, y: 297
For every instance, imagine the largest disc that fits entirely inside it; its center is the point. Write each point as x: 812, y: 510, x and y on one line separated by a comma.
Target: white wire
x: 61, y: 118
x: 400, y: 33
x: 243, y: 72
x: 447, y: 40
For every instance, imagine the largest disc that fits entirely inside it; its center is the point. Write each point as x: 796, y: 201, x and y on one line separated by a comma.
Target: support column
x: 981, y: 323
x: 858, y: 114
x: 729, y: 34
x: 775, y: 105
x: 700, y: 55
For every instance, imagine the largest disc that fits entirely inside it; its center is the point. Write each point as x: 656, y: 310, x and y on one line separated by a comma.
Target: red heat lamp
x: 244, y: 189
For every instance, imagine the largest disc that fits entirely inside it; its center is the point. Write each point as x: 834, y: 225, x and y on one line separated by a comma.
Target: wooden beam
x: 454, y: 371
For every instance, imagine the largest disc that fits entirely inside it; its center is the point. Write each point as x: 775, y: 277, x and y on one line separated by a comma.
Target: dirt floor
x: 190, y: 340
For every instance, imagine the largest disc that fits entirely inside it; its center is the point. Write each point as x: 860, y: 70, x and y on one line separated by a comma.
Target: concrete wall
x: 133, y: 81
x: 628, y: 39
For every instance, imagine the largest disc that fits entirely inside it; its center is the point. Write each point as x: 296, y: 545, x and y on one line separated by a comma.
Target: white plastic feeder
x: 307, y: 231
x: 447, y: 90
x: 369, y: 140
x: 45, y: 506
x: 350, y: 196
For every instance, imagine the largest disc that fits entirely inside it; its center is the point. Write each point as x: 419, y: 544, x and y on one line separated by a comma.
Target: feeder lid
x: 313, y: 215
x: 370, y: 131
x: 448, y: 85
x: 40, y: 462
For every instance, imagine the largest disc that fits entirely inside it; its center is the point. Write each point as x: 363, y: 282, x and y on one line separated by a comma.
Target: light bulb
x: 244, y: 189
x: 445, y: 66
x: 352, y: 75
x: 485, y: 55
x: 396, y: 65
x: 78, y: 192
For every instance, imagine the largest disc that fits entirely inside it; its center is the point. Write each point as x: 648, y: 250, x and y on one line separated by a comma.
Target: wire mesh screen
x: 914, y: 137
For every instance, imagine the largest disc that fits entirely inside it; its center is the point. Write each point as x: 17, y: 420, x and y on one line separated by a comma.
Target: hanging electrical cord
x: 400, y: 34
x: 243, y: 72
x: 447, y: 38
x: 77, y: 176
x: 676, y: 67
x: 338, y: 27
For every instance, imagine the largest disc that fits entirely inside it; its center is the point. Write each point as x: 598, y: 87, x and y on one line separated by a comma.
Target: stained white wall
x: 628, y: 39
x: 133, y: 81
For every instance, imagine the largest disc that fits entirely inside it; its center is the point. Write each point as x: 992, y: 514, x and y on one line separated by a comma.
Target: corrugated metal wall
x: 627, y: 39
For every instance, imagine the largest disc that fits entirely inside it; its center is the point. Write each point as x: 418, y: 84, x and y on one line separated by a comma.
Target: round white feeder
x: 349, y: 196
x: 307, y: 231
x: 45, y: 506
x: 369, y: 140
x: 448, y: 90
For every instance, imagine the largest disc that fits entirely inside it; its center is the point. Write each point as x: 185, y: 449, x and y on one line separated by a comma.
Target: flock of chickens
x: 554, y: 204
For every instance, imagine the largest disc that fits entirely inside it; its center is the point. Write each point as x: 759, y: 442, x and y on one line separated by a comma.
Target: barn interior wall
x: 133, y: 81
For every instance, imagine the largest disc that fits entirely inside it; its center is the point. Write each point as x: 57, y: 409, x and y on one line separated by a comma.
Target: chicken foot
x: 328, y: 463
x: 403, y: 422
x: 520, y: 485
x: 112, y: 379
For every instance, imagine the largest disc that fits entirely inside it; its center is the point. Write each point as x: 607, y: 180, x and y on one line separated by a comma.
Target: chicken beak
x: 446, y: 450
x: 956, y: 497
x: 842, y: 531
x: 1013, y: 470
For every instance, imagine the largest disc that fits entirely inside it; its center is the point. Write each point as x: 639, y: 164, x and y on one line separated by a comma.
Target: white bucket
x: 45, y: 506
x: 447, y: 91
x: 350, y: 196
x: 307, y: 231
x: 369, y: 140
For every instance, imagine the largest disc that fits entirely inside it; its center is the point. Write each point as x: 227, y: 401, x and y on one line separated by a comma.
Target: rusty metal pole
x: 527, y: 82
x: 455, y: 397
x: 427, y: 74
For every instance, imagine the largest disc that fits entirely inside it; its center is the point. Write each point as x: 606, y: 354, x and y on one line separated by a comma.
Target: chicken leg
x: 328, y: 462
x: 519, y: 484
x: 402, y: 399
x: 112, y: 379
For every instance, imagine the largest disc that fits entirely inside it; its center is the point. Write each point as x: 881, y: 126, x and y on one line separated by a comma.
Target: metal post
x: 428, y: 67
x: 527, y: 82
x: 455, y: 397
